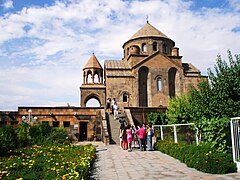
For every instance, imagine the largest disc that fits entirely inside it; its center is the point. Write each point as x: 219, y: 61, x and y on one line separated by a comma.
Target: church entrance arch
x: 142, y: 86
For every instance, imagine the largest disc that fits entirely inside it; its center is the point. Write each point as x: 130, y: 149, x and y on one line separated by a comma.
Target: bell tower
x: 93, y: 86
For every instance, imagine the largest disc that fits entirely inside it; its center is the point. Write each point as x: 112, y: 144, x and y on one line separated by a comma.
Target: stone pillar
x: 92, y: 76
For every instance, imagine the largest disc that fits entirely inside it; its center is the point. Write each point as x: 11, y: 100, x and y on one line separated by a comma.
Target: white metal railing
x: 175, y: 130
x: 235, y: 135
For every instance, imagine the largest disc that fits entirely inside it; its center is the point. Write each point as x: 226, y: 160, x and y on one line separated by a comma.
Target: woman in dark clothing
x: 124, y: 139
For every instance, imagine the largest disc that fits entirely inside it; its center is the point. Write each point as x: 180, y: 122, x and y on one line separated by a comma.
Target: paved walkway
x: 113, y: 163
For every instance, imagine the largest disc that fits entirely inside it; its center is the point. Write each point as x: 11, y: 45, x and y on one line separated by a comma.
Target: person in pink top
x: 141, y: 132
x: 129, y: 137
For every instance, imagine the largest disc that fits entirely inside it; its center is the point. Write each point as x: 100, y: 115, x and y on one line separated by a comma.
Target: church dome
x: 148, y: 39
x: 148, y: 31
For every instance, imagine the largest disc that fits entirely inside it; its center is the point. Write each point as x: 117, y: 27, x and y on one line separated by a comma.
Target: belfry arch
x: 92, y: 96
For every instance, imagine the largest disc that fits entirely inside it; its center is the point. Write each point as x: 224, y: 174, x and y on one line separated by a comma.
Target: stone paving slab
x: 113, y: 163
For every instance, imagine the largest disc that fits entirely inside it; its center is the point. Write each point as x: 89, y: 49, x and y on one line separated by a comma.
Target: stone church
x: 150, y: 72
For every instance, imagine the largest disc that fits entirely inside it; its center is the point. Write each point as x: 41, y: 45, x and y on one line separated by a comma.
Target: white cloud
x: 43, y: 49
x: 7, y: 4
x: 235, y: 4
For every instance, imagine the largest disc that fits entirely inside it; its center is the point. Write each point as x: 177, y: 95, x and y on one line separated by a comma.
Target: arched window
x: 159, y: 84
x: 96, y: 78
x: 165, y: 49
x: 144, y: 47
x: 89, y: 77
x: 154, y: 46
x: 125, y: 97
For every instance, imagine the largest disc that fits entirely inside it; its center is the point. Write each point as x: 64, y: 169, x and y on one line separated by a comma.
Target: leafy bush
x: 40, y: 132
x: 26, y: 135
x: 58, y: 135
x: 217, y: 132
x: 49, y: 162
x: 23, y: 134
x: 8, y: 140
x: 156, y: 118
x: 202, y: 157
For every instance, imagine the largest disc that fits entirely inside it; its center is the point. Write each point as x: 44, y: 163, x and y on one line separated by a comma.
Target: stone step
x: 114, y: 130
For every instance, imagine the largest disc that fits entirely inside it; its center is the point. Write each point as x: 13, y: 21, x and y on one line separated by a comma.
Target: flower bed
x: 48, y: 162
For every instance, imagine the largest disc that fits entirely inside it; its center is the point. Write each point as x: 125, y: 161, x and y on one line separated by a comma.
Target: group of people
x: 112, y: 107
x: 143, y: 134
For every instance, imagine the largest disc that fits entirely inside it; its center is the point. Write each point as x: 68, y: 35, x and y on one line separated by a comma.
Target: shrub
x: 23, y: 134
x: 8, y: 140
x: 157, y: 118
x: 36, y: 135
x: 58, y: 135
x: 201, y: 157
x: 26, y: 135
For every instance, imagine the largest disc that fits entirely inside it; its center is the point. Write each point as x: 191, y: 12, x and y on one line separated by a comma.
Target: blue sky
x: 45, y: 44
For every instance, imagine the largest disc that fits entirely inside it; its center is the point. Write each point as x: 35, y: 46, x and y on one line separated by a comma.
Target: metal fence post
x: 161, y: 132
x: 175, y: 134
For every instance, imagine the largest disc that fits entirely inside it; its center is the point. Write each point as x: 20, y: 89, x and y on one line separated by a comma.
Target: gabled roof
x: 116, y: 64
x: 189, y: 68
x: 148, y: 31
x: 157, y: 53
x: 93, y: 63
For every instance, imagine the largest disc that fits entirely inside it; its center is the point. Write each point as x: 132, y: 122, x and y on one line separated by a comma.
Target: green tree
x: 211, y: 105
x: 178, y: 110
x: 225, y: 87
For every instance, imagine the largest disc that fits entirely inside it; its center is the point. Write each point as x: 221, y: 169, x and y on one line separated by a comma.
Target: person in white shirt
x: 115, y: 112
x: 112, y: 104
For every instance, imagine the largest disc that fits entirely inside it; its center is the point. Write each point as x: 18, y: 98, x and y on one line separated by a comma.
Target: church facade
x: 150, y: 72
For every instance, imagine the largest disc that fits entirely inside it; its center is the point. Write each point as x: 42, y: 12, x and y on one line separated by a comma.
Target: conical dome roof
x: 148, y: 31
x: 93, y: 63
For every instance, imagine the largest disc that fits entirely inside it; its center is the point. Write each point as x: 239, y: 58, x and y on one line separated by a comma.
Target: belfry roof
x: 93, y: 63
x: 148, y: 31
